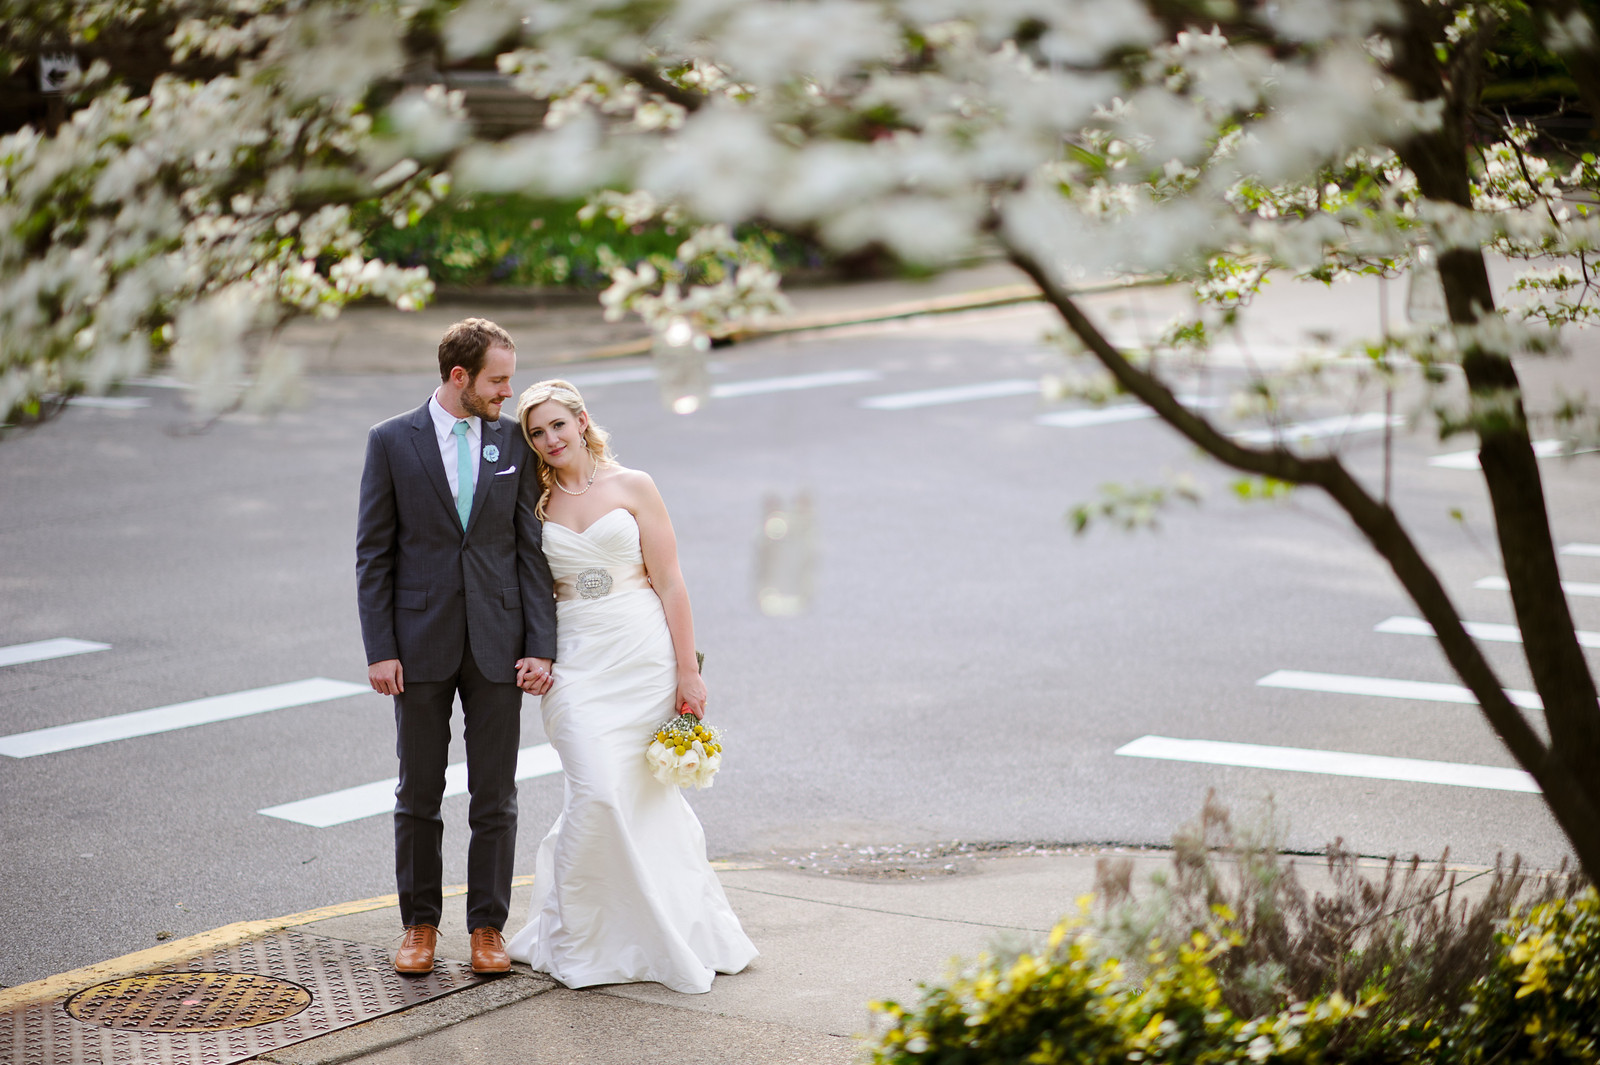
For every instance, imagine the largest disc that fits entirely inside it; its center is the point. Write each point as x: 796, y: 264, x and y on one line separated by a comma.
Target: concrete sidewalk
x: 836, y: 931
x: 829, y: 945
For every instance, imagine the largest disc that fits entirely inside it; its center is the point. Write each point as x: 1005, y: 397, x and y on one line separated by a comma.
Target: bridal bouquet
x: 686, y: 752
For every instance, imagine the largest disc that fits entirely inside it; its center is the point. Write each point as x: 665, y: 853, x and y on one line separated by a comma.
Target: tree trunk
x: 1510, y: 469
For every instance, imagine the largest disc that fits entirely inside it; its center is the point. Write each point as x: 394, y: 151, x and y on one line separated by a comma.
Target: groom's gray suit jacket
x: 426, y: 587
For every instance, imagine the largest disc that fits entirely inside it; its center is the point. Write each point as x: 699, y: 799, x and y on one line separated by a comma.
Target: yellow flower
x: 1535, y: 956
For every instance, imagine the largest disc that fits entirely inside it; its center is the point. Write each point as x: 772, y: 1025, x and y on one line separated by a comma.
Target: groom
x: 455, y: 597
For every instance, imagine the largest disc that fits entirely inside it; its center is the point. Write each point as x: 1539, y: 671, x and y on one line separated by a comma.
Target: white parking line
x: 734, y: 389
x: 177, y: 716
x: 1386, y: 688
x: 370, y: 800
x: 1590, y: 550
x: 1478, y: 630
x: 40, y: 650
x: 1468, y: 460
x: 1332, y: 763
x: 1320, y: 429
x: 933, y: 397
x: 1500, y: 584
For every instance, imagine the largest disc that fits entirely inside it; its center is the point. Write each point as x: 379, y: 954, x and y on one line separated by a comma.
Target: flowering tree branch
x: 1575, y: 809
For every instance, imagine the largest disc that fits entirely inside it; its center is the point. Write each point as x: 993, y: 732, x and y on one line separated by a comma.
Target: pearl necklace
x: 593, y: 469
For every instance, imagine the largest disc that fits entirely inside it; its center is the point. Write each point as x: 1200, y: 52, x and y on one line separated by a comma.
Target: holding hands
x: 534, y: 676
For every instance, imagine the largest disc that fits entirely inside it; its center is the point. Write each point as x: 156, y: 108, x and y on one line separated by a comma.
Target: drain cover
x: 225, y: 1005
x: 189, y: 1002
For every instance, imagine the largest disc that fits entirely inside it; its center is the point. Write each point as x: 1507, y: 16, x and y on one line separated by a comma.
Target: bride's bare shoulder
x: 630, y: 478
x: 637, y: 486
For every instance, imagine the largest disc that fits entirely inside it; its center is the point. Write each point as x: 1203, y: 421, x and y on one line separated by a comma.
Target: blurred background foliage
x: 522, y: 242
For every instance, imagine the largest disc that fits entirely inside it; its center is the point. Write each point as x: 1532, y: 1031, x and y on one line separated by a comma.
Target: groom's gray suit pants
x: 493, y: 729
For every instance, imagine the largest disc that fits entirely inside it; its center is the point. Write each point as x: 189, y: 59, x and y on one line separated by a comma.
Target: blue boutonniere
x: 491, y: 454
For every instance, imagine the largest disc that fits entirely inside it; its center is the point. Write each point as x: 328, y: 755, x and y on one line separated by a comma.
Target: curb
x: 143, y: 961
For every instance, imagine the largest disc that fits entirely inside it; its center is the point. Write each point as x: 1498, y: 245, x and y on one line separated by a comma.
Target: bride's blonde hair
x: 595, y: 439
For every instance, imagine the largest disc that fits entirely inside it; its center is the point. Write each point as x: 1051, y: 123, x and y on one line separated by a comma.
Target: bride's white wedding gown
x: 622, y: 891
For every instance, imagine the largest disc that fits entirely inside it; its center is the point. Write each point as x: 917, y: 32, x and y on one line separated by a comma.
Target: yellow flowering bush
x: 1072, y: 1004
x: 1068, y: 1006
x: 1541, y: 1002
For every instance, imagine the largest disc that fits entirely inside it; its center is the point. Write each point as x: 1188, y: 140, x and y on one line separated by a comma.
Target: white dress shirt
x: 444, y: 427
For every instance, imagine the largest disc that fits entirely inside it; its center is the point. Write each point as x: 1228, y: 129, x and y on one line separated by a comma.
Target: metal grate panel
x: 219, y: 1010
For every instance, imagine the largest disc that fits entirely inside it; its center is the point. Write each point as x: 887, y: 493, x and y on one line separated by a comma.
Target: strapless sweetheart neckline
x: 592, y: 524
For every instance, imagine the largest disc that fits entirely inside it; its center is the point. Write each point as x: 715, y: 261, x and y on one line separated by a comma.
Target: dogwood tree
x: 1206, y: 141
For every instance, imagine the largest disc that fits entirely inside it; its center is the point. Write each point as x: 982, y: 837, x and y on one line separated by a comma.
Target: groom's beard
x: 476, y: 405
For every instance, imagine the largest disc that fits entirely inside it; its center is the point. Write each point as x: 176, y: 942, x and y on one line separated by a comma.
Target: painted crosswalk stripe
x: 1500, y: 584
x: 1590, y: 550
x: 177, y: 716
x: 40, y: 650
x: 1468, y: 460
x: 734, y: 389
x: 612, y: 377
x: 1320, y: 429
x: 1082, y: 419
x: 110, y: 402
x: 1387, y: 688
x: 1489, y: 632
x: 1085, y: 417
x: 370, y: 800
x: 934, y: 397
x: 1331, y: 763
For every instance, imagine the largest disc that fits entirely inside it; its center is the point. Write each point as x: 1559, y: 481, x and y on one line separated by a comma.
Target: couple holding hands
x: 497, y: 556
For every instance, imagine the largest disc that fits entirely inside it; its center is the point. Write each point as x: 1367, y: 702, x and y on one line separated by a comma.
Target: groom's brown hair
x: 467, y: 342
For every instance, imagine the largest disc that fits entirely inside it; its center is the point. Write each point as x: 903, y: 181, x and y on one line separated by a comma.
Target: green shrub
x: 519, y: 241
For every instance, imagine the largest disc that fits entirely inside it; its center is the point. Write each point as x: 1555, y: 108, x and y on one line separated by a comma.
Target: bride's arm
x: 660, y: 549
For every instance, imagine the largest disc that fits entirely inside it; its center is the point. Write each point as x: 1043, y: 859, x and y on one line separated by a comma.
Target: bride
x: 622, y: 891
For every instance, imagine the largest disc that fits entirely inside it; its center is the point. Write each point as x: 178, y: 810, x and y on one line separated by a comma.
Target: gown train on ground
x: 622, y: 890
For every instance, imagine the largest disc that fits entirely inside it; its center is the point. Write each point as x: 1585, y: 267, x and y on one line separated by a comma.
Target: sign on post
x: 55, y: 70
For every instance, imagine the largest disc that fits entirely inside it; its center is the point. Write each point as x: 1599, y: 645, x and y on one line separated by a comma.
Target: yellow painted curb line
x: 964, y: 301
x: 152, y: 958
x: 978, y: 299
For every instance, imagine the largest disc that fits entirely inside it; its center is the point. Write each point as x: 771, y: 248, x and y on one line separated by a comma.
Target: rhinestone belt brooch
x: 593, y: 583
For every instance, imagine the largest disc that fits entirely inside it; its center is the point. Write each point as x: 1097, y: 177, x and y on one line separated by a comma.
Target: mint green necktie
x: 463, y: 473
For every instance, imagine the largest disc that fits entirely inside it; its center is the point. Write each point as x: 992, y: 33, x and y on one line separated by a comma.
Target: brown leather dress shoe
x: 489, y: 951
x: 415, y: 956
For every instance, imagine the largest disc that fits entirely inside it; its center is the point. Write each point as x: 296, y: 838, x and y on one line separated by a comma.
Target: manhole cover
x: 188, y: 1002
x: 217, y: 1007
